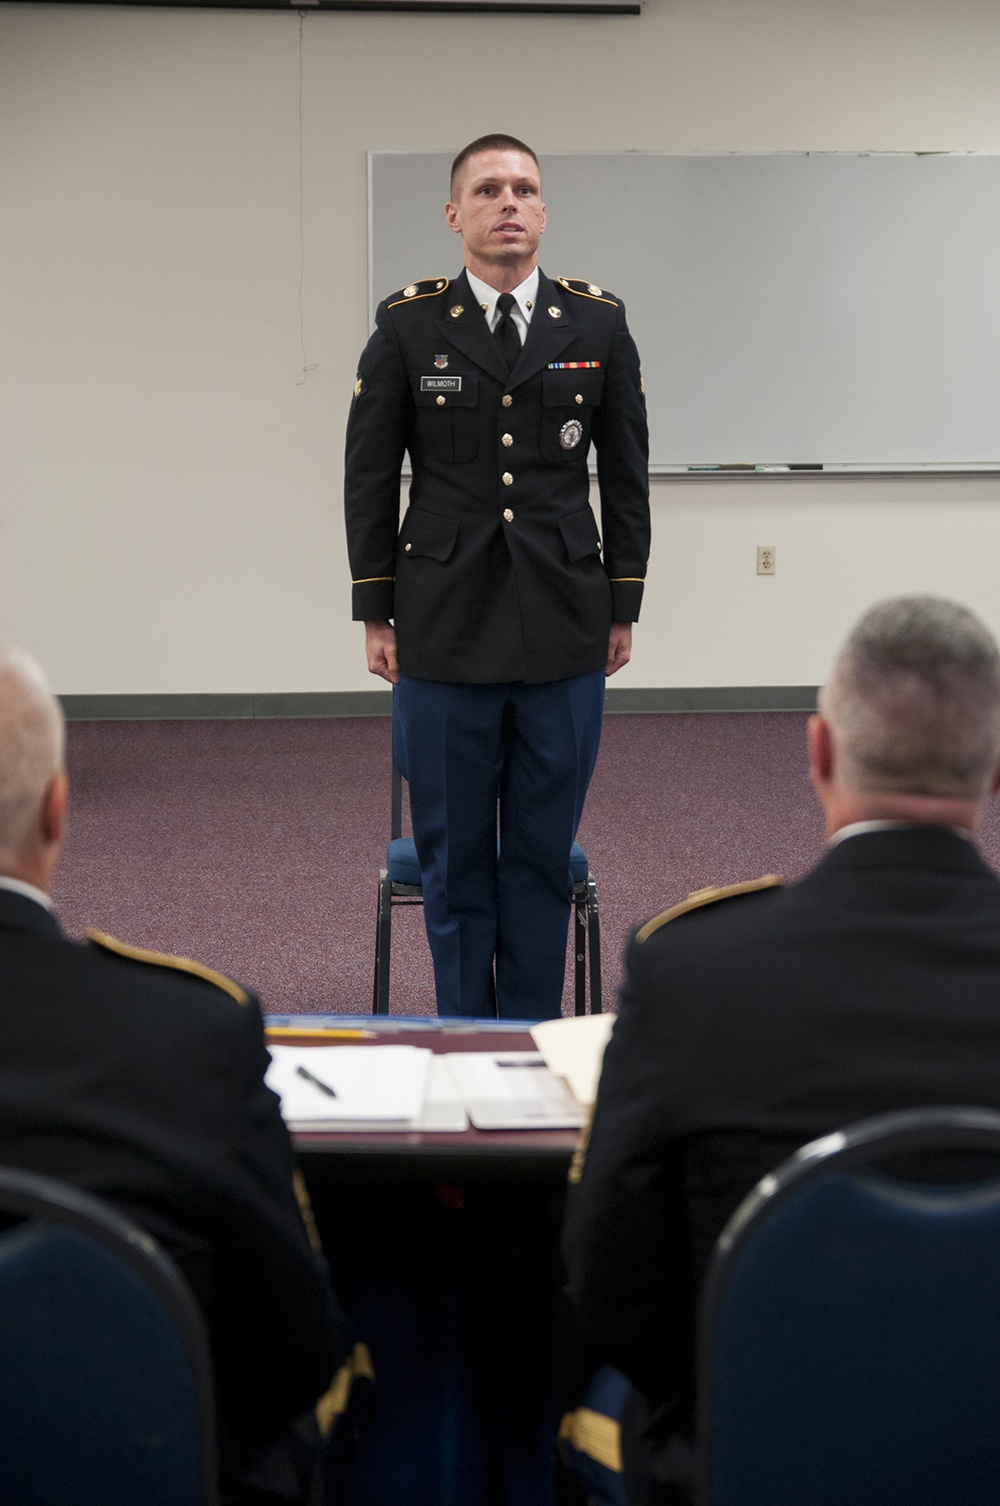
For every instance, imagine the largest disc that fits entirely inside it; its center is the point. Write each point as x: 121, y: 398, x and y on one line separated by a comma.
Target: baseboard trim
x: 657, y: 700
x: 340, y: 703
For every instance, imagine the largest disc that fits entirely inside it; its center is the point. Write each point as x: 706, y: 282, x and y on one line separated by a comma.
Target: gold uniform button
x: 507, y: 440
x: 407, y: 548
x: 579, y: 397
x: 411, y: 291
x: 508, y: 516
x: 595, y: 290
x: 506, y: 399
x: 507, y: 479
x: 441, y: 400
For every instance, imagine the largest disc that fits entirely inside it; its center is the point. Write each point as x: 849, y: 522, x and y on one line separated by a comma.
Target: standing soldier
x: 492, y: 609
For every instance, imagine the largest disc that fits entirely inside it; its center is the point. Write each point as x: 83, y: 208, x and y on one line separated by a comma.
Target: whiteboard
x: 815, y: 310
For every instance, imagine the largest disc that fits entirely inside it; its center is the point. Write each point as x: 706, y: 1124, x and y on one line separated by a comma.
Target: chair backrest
x: 105, y: 1380
x: 849, y: 1349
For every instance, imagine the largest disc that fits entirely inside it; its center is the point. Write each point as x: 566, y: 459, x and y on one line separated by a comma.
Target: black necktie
x: 505, y: 333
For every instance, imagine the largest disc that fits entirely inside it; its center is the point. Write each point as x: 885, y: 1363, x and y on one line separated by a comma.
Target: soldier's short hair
x: 32, y: 740
x: 497, y: 141
x: 914, y: 701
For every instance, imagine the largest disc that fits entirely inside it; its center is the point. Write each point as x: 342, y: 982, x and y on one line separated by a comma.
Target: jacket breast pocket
x: 427, y: 535
x: 446, y: 415
x: 568, y: 402
x: 580, y: 535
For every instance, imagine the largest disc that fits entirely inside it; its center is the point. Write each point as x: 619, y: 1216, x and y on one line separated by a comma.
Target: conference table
x: 444, y: 1250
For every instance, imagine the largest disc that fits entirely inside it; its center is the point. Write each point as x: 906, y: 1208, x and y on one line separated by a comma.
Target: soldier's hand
x: 619, y: 647
x: 380, y: 646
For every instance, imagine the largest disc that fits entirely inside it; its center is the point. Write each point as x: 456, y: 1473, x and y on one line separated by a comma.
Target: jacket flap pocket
x: 580, y: 534
x: 444, y: 389
x: 571, y: 389
x: 427, y: 534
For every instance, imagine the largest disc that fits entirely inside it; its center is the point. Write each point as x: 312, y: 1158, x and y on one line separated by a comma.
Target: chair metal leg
x: 580, y: 947
x: 594, y: 946
x: 383, y: 945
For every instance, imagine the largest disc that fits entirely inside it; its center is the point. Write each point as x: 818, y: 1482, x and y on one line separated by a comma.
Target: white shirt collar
x: 859, y: 828
x: 18, y: 886
x: 525, y: 298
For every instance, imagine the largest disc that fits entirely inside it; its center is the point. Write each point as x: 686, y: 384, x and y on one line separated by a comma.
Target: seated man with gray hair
x: 756, y: 1018
x: 140, y: 1079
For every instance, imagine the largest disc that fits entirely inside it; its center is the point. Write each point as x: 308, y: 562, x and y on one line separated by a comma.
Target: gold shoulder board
x: 164, y: 959
x: 708, y: 896
x: 584, y: 289
x: 580, y: 1153
x: 427, y: 287
x: 334, y: 1401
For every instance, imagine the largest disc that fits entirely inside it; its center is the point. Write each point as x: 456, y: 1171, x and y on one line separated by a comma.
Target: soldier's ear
x: 820, y: 745
x: 996, y: 781
x: 52, y: 814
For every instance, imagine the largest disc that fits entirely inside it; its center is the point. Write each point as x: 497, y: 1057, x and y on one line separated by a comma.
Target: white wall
x: 170, y: 474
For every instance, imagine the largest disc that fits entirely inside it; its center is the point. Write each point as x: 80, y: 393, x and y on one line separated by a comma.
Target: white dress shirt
x: 858, y: 829
x: 18, y: 886
x: 525, y: 298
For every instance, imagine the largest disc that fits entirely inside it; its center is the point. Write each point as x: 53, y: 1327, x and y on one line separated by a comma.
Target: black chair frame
x: 586, y: 924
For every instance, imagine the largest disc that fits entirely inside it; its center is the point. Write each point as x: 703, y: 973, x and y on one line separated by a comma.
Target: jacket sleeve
x: 378, y: 431
x: 277, y: 1332
x: 622, y: 440
x: 625, y: 1240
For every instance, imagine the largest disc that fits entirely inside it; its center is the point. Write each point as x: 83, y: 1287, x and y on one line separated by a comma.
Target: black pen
x: 324, y: 1087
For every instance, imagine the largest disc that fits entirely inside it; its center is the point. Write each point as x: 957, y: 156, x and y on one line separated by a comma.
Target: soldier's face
x: 498, y: 210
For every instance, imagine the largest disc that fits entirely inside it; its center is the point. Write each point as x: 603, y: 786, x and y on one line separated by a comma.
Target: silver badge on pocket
x: 570, y: 434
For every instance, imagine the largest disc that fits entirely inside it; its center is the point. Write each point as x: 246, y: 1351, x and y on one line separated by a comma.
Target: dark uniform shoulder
x: 710, y: 896
x: 427, y: 287
x: 584, y: 289
x: 183, y: 965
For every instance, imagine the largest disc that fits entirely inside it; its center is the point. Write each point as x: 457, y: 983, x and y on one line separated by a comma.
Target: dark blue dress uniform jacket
x: 497, y: 573
x: 144, y: 1086
x: 747, y: 1028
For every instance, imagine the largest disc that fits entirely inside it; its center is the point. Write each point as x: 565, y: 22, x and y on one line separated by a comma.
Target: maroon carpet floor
x: 255, y: 846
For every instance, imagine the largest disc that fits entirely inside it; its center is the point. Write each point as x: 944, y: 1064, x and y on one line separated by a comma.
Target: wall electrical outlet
x: 765, y: 559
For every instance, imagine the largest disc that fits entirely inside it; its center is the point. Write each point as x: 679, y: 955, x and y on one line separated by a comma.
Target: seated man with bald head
x: 758, y: 1018
x: 141, y: 1080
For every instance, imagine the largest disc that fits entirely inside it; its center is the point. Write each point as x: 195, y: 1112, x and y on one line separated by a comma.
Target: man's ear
x: 996, y: 780
x: 820, y: 746
x: 55, y: 803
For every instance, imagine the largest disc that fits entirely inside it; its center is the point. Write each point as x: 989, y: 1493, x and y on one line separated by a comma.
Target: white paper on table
x: 442, y: 1110
x: 376, y: 1087
x: 574, y: 1048
x: 512, y: 1090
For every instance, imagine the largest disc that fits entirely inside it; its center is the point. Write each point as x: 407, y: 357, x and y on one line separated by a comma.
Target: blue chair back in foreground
x: 849, y: 1352
x: 105, y: 1380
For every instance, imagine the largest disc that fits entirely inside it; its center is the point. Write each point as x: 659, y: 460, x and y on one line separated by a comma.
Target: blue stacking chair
x: 849, y: 1351
x: 399, y: 884
x: 105, y: 1381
